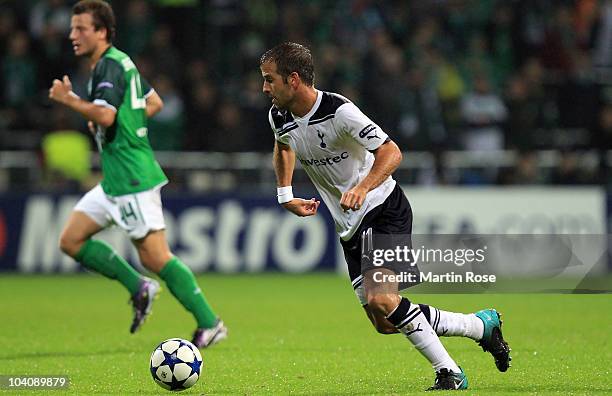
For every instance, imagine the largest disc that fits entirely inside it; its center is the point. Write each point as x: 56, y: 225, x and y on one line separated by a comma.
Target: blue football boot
x: 492, y: 340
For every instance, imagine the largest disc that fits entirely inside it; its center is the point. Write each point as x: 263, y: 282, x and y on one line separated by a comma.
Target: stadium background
x: 503, y: 110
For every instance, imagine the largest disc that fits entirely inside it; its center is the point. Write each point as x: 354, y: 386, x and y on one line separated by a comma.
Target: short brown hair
x: 289, y: 58
x: 101, y: 13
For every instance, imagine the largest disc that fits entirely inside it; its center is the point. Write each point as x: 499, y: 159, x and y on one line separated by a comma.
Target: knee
x: 69, y: 244
x: 154, y: 262
x: 382, y: 303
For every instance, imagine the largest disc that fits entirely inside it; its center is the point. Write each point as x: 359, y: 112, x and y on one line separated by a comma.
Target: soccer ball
x: 176, y: 364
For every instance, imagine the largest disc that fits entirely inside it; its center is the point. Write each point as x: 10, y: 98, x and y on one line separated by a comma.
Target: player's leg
x: 453, y: 324
x: 475, y: 326
x: 389, y: 313
x: 79, y: 228
x: 483, y: 327
x: 87, y: 219
x: 352, y: 254
x: 490, y: 339
x: 386, y: 309
x: 408, y: 319
x: 142, y: 215
x: 384, y: 300
x: 156, y: 256
x: 379, y: 321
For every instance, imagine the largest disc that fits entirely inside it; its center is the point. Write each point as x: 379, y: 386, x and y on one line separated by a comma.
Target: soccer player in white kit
x: 350, y: 160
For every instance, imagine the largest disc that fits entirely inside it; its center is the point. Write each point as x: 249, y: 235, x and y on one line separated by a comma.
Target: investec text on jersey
x: 325, y: 161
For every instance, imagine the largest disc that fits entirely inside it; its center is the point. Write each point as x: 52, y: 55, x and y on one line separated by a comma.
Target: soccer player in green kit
x: 117, y: 108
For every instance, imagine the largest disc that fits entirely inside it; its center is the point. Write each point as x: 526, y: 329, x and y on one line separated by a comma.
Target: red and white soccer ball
x: 176, y: 364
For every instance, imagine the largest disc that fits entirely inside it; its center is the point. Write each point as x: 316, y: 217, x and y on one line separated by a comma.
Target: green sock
x: 183, y: 286
x: 100, y: 257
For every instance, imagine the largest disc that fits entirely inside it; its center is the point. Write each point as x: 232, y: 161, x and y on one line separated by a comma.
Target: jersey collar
x: 312, y: 110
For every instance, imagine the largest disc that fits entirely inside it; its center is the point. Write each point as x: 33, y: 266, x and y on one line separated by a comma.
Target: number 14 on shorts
x: 128, y: 214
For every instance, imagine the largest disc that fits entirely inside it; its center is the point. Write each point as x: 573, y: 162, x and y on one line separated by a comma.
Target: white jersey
x: 333, y: 143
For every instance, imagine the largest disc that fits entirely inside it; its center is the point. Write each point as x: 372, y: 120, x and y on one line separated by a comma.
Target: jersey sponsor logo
x: 325, y: 161
x: 367, y: 132
x: 141, y: 132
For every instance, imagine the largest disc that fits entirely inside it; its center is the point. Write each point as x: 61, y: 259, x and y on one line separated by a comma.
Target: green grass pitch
x: 301, y: 334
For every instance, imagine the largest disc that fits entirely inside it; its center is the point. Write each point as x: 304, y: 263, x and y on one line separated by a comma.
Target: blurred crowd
x: 437, y: 75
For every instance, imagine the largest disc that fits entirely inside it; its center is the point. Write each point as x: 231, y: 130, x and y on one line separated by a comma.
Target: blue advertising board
x: 210, y: 233
x: 242, y: 233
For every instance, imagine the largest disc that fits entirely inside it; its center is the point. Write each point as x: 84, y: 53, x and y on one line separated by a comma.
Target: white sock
x: 410, y: 321
x: 453, y: 324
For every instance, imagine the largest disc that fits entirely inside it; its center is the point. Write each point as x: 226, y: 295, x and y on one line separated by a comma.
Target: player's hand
x: 60, y: 91
x: 353, y: 198
x: 302, y: 207
x: 92, y: 127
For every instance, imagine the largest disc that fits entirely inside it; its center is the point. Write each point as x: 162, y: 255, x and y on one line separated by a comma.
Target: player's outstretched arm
x: 284, y: 163
x: 387, y: 158
x: 154, y: 104
x: 61, y: 92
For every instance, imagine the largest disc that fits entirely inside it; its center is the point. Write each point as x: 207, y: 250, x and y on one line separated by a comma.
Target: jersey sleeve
x: 356, y: 124
x: 272, y: 123
x: 281, y: 123
x: 108, y: 84
x: 277, y: 136
x: 147, y: 89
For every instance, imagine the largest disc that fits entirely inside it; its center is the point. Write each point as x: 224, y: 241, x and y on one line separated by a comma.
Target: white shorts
x: 137, y: 214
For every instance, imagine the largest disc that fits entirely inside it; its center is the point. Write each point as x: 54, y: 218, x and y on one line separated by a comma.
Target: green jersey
x: 128, y: 164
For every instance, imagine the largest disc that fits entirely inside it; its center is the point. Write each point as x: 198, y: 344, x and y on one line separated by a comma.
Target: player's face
x: 83, y: 35
x: 275, y: 86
